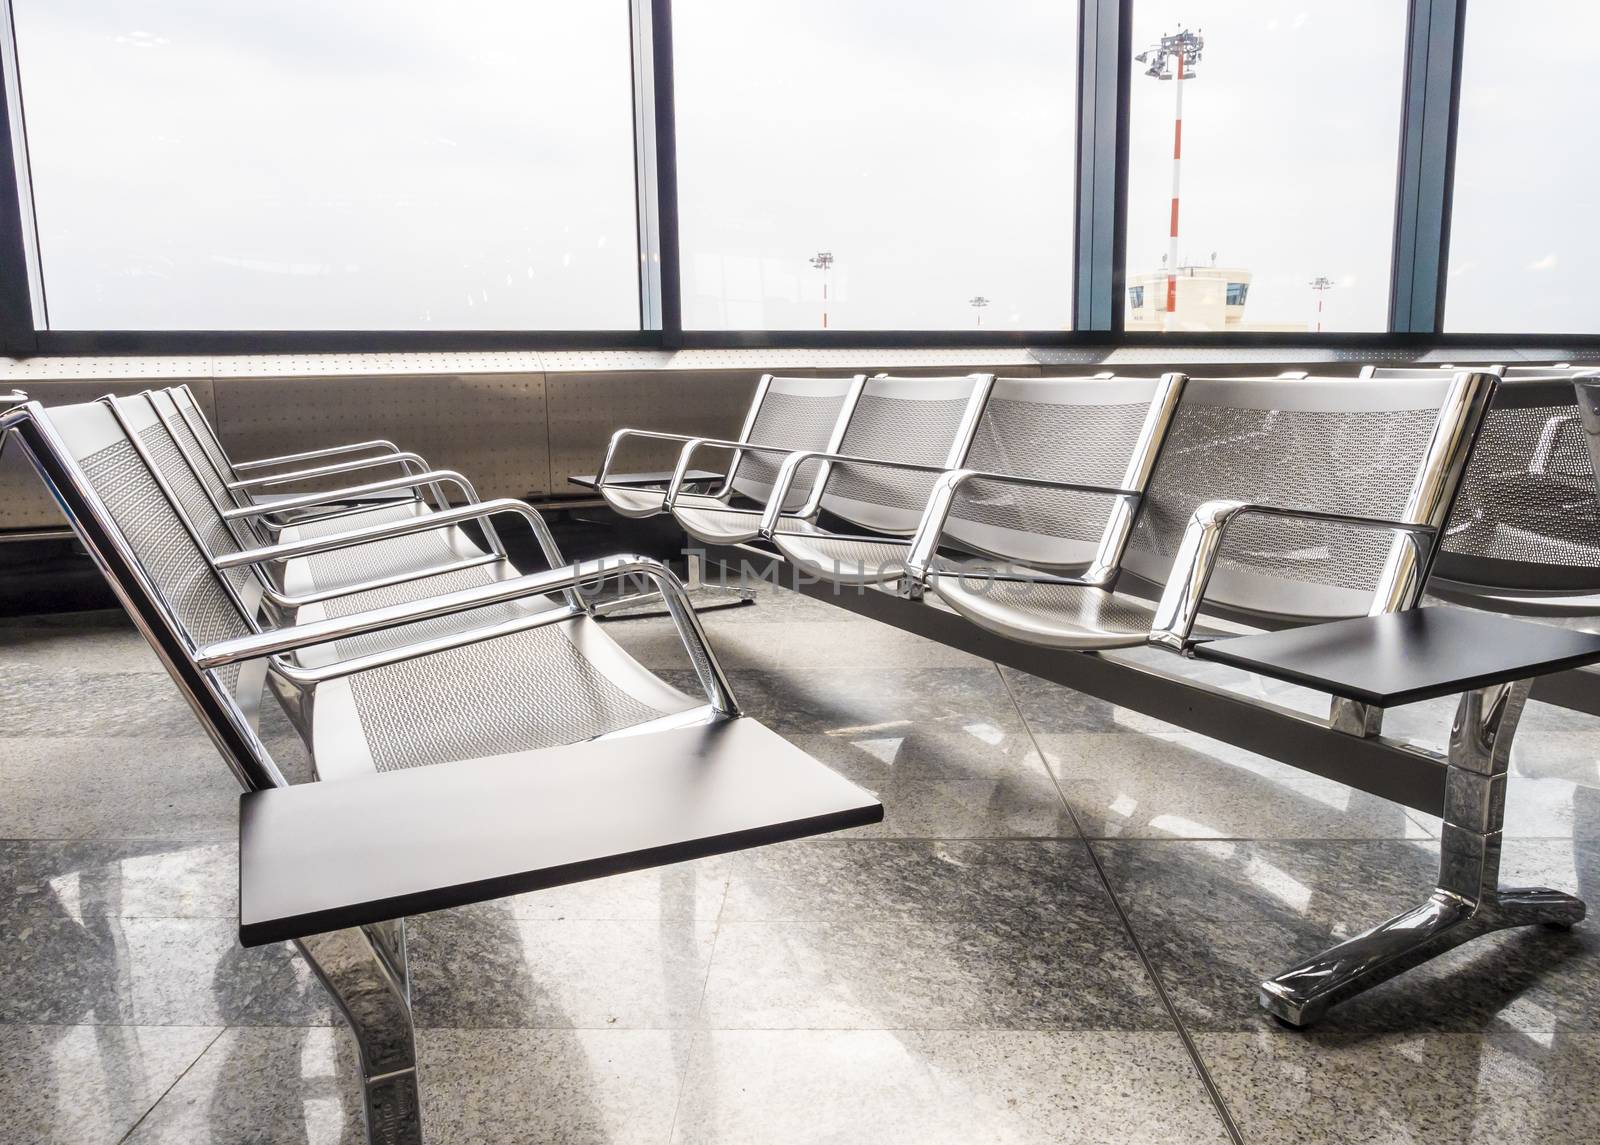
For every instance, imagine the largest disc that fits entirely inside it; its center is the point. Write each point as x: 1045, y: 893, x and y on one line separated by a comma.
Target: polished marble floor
x: 1054, y: 936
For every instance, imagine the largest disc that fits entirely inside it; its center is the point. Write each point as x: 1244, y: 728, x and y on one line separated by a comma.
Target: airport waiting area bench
x: 1286, y: 526
x: 473, y: 732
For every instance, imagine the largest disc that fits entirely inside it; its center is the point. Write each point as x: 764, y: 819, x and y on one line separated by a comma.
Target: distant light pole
x: 1184, y: 47
x: 978, y: 302
x: 823, y: 262
x: 1321, y: 284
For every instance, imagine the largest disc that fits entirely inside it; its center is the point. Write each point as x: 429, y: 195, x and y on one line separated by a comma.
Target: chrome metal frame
x: 364, y: 968
x: 750, y: 415
x: 1466, y: 902
x: 1184, y: 593
x: 810, y: 507
x: 1102, y: 570
x: 271, y: 586
x: 1466, y: 785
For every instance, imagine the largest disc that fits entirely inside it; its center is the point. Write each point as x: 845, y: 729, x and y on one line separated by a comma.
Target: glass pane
x: 1527, y: 181
x: 913, y: 162
x: 1289, y: 153
x: 370, y: 164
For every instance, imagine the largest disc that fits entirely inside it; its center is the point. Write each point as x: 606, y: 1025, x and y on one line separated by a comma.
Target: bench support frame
x: 1466, y: 902
x: 1466, y: 786
x: 365, y: 971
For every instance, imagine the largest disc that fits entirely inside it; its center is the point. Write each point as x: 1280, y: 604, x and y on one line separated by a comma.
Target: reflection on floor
x: 1054, y: 936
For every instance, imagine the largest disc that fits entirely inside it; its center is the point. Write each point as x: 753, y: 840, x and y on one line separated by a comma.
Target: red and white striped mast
x: 824, y: 262
x: 1182, y: 49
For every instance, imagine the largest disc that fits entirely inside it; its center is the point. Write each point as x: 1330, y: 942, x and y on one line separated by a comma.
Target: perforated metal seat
x: 559, y: 683
x: 1083, y: 429
x: 510, y: 733
x: 1338, y: 448
x: 1055, y: 615
x: 923, y: 422
x: 785, y: 413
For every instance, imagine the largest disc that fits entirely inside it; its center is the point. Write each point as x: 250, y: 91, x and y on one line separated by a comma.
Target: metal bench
x: 1010, y: 494
x: 923, y: 421
x: 556, y: 756
x: 786, y: 413
x: 1275, y: 502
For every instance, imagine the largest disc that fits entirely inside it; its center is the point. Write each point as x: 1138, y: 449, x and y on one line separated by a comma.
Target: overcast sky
x: 412, y: 164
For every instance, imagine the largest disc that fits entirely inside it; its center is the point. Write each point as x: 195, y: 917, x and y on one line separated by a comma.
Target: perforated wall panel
x: 586, y: 408
x: 490, y: 427
x: 24, y: 503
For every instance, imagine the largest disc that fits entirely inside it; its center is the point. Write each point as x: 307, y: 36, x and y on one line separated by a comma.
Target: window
x: 1289, y: 153
x: 370, y: 164
x: 1522, y: 237
x: 866, y: 165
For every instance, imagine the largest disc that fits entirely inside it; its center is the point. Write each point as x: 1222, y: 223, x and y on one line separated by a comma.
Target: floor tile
x: 481, y: 967
x: 264, y: 1085
x: 74, y: 1084
x: 83, y: 702
x: 133, y: 787
x: 58, y: 968
x: 506, y: 1087
x: 1217, y: 917
x: 105, y: 641
x: 1492, y: 1088
x: 876, y: 935
x: 92, y: 879
x: 1183, y: 785
x: 933, y: 1088
x: 864, y: 701
x: 981, y: 782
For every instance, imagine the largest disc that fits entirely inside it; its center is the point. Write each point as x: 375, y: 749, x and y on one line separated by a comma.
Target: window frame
x: 1104, y: 65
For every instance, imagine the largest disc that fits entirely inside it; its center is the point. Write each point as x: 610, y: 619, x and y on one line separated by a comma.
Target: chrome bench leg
x: 1468, y: 900
x: 364, y: 969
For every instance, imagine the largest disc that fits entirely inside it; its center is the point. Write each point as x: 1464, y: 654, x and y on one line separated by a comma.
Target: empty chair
x: 1033, y: 435
x: 924, y: 422
x: 786, y: 413
x: 253, y: 483
x: 224, y: 525
x: 1524, y: 536
x: 567, y: 759
x: 1330, y: 481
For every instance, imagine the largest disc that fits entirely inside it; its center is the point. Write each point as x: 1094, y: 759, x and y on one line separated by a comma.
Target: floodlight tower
x: 823, y: 261
x: 1321, y: 284
x: 978, y: 302
x: 1173, y: 58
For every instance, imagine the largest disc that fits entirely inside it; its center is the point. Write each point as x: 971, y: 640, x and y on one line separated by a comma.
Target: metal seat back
x: 919, y: 421
x: 792, y: 413
x: 1329, y: 445
x: 1086, y: 431
x: 1528, y: 517
x: 101, y: 477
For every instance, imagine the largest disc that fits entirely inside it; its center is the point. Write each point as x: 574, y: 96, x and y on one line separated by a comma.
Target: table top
x: 590, y: 480
x: 1403, y: 657
x: 315, y: 857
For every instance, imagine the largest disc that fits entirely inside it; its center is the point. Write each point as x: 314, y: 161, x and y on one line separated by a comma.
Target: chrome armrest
x: 622, y: 435
x: 772, y: 515
x: 1179, y: 606
x: 925, y: 543
x: 568, y: 580
x: 692, y: 445
x: 434, y: 477
x: 396, y: 458
x: 444, y: 518
x: 314, y: 454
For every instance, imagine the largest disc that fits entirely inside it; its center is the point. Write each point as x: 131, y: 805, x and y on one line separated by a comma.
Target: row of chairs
x: 1087, y: 513
x: 398, y: 639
